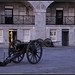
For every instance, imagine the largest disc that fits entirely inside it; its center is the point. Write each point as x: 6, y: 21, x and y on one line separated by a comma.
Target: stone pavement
x: 54, y: 60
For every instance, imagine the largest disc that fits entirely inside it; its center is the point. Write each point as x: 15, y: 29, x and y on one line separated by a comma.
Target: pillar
x: 40, y: 17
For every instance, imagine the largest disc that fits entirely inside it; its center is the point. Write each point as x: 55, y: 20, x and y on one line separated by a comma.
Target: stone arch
x: 40, y: 4
x: 29, y: 6
x: 47, y: 9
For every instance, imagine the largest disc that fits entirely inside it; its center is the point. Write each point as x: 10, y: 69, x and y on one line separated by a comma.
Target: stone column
x: 40, y: 17
x: 40, y: 22
x: 6, y: 37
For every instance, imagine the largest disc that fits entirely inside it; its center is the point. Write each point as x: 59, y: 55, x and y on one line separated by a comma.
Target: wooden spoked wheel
x: 34, y: 52
x: 15, y: 51
x: 48, y: 42
x: 18, y: 58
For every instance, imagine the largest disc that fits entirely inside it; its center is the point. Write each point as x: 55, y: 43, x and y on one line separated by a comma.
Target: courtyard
x: 55, y: 60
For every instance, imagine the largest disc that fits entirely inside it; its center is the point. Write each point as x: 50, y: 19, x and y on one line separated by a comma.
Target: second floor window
x: 59, y: 16
x: 8, y: 16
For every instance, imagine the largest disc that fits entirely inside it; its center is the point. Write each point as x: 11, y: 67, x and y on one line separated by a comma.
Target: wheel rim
x: 34, y: 52
x: 18, y: 59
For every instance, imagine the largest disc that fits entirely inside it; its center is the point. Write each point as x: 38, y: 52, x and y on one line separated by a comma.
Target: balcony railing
x: 65, y: 20
x: 18, y: 19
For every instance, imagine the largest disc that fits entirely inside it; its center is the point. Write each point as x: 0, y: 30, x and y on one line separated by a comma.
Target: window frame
x: 53, y: 34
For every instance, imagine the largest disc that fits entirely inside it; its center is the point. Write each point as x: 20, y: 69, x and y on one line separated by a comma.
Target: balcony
x: 65, y: 20
x: 18, y: 19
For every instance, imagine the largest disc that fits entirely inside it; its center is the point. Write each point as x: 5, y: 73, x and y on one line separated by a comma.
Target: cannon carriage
x: 32, y: 49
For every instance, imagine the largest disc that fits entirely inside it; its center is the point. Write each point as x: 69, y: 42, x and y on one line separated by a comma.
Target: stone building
x: 29, y: 20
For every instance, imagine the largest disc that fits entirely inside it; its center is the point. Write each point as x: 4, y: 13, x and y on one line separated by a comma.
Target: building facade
x: 29, y: 20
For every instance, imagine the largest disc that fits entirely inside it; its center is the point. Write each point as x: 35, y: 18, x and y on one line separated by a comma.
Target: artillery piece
x: 33, y: 50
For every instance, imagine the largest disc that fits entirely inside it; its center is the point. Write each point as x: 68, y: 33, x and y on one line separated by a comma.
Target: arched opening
x: 60, y: 13
x: 16, y: 13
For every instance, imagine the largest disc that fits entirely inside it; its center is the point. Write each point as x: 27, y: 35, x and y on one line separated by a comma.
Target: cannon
x: 32, y: 49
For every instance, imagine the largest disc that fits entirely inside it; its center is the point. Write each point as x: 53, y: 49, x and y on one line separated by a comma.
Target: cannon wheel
x: 14, y: 44
x: 20, y: 56
x: 48, y: 42
x: 34, y: 52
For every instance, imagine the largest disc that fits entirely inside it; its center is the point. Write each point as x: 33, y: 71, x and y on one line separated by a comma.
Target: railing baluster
x: 19, y: 19
x: 67, y: 20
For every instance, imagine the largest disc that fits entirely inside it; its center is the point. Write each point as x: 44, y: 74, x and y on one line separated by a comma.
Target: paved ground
x: 54, y: 60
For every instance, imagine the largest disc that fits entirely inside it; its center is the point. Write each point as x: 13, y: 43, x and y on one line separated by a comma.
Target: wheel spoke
x: 36, y: 58
x: 33, y: 59
x: 37, y: 55
x: 18, y: 58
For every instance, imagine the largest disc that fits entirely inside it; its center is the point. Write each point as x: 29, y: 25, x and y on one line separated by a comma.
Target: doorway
x: 65, y: 37
x: 12, y: 36
x: 59, y: 16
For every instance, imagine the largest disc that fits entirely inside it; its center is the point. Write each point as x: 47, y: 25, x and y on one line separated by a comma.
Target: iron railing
x: 66, y: 20
x: 19, y: 19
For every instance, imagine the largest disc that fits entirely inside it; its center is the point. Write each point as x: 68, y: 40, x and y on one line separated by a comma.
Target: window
x: 8, y: 16
x: 8, y: 11
x: 53, y: 34
x: 1, y: 36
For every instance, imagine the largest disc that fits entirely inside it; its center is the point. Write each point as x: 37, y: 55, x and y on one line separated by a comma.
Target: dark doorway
x: 8, y: 16
x: 59, y: 16
x: 65, y: 37
x: 12, y: 36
